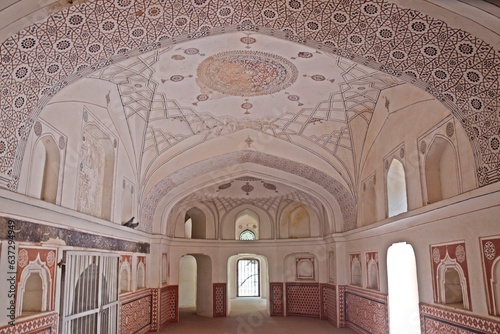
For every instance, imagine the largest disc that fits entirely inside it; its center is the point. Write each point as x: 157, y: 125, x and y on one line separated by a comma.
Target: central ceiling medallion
x: 247, y: 73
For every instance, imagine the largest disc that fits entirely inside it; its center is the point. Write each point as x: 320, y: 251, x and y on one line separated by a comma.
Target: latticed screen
x: 247, y: 235
x: 248, y: 278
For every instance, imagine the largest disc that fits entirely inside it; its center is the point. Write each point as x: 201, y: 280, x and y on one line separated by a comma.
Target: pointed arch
x: 397, y: 200
x: 247, y: 220
x: 44, y: 175
x: 441, y: 170
x: 96, y: 173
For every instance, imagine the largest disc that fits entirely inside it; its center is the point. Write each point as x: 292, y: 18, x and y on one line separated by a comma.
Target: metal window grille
x: 248, y: 278
x: 89, y: 301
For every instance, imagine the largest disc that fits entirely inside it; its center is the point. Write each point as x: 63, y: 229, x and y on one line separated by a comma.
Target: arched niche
x: 495, y: 283
x: 197, y: 222
x: 441, y: 171
x: 369, y: 202
x: 247, y: 220
x: 298, y: 220
x: 96, y: 173
x: 45, y: 166
x: 301, y: 266
x: 397, y: 200
x: 141, y: 276
x: 34, y: 289
x: 125, y: 277
x: 356, y: 273
x: 452, y: 284
x: 250, y: 213
x: 373, y: 275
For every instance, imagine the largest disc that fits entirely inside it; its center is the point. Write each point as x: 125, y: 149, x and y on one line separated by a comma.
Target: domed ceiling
x: 179, y: 97
x: 223, y: 84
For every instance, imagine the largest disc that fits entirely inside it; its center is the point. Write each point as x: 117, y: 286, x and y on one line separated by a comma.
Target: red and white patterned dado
x: 302, y: 299
x: 329, y: 303
x: 438, y: 320
x: 276, y: 298
x: 135, y: 312
x: 219, y: 296
x: 154, y: 309
x: 490, y: 249
x: 169, y: 301
x: 366, y: 311
x: 46, y: 324
x: 341, y: 294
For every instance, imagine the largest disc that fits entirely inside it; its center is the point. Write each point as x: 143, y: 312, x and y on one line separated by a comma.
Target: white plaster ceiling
x: 215, y: 86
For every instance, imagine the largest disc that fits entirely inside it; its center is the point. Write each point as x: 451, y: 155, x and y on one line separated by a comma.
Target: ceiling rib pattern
x: 325, y: 123
x: 344, y: 198
x: 457, y: 68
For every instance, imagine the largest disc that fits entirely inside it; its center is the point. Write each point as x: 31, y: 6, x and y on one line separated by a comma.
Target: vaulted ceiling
x: 297, y: 81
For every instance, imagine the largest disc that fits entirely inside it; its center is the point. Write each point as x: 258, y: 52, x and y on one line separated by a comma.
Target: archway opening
x: 404, y: 314
x: 195, y: 285
x: 247, y: 284
x: 195, y: 224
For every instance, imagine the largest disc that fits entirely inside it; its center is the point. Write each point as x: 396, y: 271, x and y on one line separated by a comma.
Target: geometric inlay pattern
x: 219, y: 295
x: 362, y: 311
x: 247, y: 73
x: 458, y: 69
x: 46, y: 324
x: 276, y: 299
x: 168, y: 305
x: 135, y: 312
x: 302, y: 299
x: 437, y: 320
x: 329, y: 303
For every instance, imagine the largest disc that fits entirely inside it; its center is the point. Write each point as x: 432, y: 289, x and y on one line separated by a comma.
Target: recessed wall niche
x: 355, y: 269
x: 439, y: 162
x: 36, y: 272
x: 450, y: 275
x: 372, y: 270
x: 491, y: 272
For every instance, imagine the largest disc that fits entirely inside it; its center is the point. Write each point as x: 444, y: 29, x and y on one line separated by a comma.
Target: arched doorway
x: 195, y: 285
x: 247, y: 283
x: 404, y: 314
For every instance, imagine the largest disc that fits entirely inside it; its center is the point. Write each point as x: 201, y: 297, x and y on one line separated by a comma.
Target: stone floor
x: 248, y: 316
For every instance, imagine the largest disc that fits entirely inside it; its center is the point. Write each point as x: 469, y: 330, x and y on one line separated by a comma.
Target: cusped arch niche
x: 298, y: 220
x: 34, y: 289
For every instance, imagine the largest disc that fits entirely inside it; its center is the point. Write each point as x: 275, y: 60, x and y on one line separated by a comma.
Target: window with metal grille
x: 248, y: 278
x: 247, y: 235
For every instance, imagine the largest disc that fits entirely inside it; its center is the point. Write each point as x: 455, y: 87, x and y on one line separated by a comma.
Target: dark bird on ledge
x: 130, y: 223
